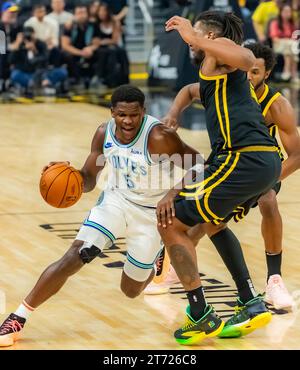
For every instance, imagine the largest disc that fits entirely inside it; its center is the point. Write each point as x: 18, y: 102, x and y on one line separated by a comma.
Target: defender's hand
x: 171, y: 122
x: 165, y: 209
x: 183, y: 26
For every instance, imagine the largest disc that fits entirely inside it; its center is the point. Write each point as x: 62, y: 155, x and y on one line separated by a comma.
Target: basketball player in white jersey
x: 129, y: 143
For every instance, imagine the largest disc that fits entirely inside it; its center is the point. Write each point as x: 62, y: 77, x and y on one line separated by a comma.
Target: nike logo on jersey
x: 108, y: 145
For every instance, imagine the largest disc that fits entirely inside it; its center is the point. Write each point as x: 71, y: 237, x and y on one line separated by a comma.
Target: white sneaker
x: 172, y: 277
x: 277, y: 294
x: 162, y: 287
x: 156, y: 288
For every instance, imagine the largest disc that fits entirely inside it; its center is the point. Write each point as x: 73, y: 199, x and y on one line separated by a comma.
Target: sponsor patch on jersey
x: 134, y: 151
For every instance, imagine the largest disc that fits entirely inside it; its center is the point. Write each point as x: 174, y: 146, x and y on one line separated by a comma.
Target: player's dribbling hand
x: 183, y: 26
x: 170, y: 122
x: 165, y: 209
x: 53, y: 163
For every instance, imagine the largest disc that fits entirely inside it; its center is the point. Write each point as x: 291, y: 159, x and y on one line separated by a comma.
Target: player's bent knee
x: 268, y: 204
x: 171, y: 231
x: 130, y: 291
x: 88, y: 252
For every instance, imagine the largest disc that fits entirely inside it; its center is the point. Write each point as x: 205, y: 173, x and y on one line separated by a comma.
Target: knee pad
x: 88, y: 252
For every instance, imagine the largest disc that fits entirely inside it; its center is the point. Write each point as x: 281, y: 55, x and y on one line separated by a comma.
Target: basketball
x: 61, y: 185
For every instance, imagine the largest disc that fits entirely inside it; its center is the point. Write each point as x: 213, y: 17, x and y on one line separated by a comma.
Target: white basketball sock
x: 24, y: 310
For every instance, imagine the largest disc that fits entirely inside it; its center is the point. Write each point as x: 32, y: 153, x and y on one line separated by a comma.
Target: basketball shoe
x: 277, y: 294
x: 162, y: 265
x: 247, y: 318
x: 193, y: 332
x: 163, y: 287
x: 10, y: 330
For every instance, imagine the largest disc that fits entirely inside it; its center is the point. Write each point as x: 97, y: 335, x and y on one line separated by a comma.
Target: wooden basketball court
x: 90, y: 312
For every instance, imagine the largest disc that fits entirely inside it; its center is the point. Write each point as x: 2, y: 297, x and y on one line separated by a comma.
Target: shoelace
x: 159, y: 263
x: 238, y: 309
x: 188, y: 324
x: 13, y: 325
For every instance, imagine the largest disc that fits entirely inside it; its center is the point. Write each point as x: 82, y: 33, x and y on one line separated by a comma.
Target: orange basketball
x: 61, y: 185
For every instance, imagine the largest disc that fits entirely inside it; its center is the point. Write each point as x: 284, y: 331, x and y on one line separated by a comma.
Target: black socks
x: 230, y: 251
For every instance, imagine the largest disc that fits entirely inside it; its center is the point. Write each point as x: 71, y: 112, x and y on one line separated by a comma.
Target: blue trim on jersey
x: 100, y: 228
x: 146, y: 153
x: 105, y: 137
x: 134, y: 140
x: 101, y: 231
x: 145, y: 266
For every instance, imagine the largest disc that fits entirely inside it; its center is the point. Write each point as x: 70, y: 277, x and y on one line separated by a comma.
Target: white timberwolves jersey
x: 132, y: 171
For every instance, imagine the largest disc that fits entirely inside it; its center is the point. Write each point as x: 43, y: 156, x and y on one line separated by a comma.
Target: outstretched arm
x: 224, y: 50
x: 95, y: 162
x: 285, y: 118
x: 183, y: 99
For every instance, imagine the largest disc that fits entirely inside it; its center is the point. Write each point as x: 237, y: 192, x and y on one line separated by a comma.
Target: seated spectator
x: 9, y: 25
x: 29, y: 64
x: 281, y: 31
x: 58, y: 14
x: 119, y: 9
x: 113, y: 66
x: 93, y: 11
x: 26, y: 7
x: 79, y: 45
x: 45, y: 28
x: 261, y: 17
x: 109, y: 30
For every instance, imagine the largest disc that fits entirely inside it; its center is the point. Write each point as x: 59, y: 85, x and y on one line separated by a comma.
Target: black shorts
x: 232, y: 183
x: 242, y: 210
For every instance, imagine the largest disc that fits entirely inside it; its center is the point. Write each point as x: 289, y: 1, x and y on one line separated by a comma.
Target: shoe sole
x: 11, y: 339
x: 196, y: 339
x: 156, y: 292
x: 289, y: 307
x: 256, y: 323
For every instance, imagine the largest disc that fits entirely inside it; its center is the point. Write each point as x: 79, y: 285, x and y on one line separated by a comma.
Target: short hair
x: 128, y: 94
x: 262, y: 51
x: 39, y: 6
x: 225, y: 24
x: 80, y: 5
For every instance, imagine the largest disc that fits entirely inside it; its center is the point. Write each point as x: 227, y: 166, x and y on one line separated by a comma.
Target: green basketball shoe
x: 247, y: 318
x: 193, y: 332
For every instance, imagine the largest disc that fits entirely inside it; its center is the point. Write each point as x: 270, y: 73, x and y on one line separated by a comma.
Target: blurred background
x: 80, y: 50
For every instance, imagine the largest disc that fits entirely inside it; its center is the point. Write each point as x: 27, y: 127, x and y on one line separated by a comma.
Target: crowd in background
x: 78, y: 44
x: 57, y: 44
x: 276, y: 23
